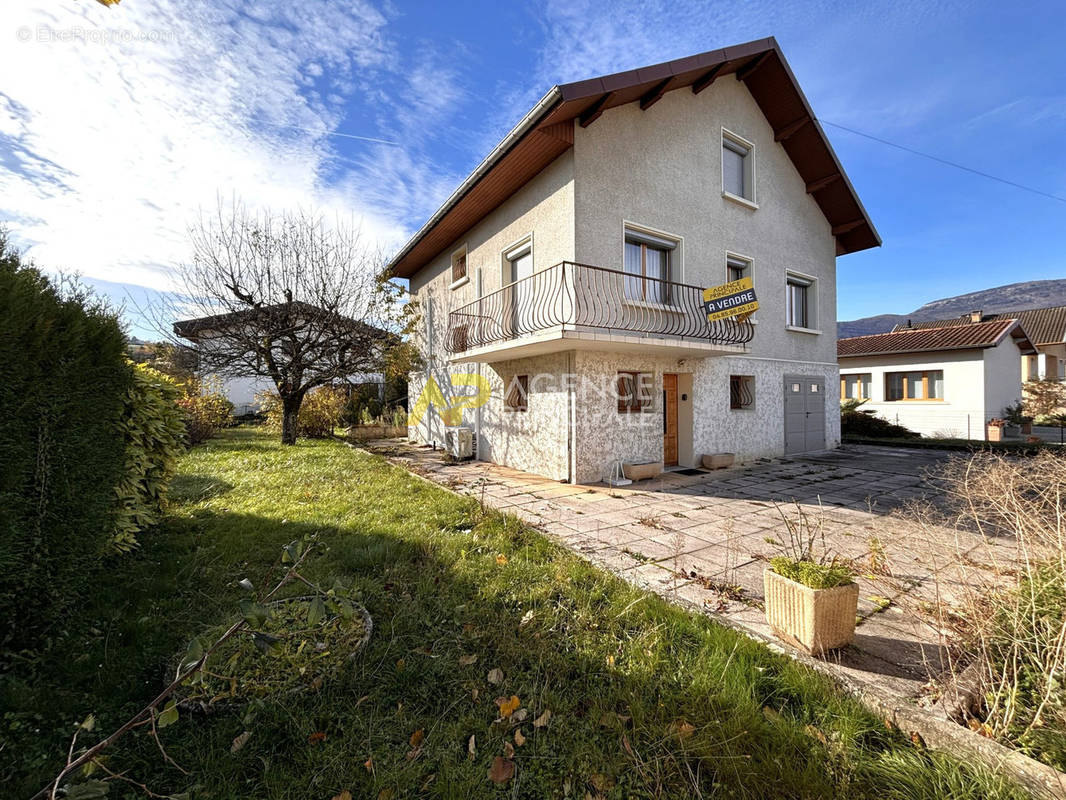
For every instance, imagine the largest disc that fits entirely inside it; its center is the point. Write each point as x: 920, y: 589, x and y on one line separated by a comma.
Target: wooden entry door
x: 669, y: 419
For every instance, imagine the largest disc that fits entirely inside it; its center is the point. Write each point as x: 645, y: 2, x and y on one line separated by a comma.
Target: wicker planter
x: 718, y: 460
x: 643, y: 470
x: 815, y: 620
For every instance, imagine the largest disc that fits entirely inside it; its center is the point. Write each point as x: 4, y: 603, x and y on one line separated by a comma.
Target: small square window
x: 517, y: 398
x: 738, y: 167
x: 634, y: 392
x: 741, y: 392
x: 458, y: 265
x: 737, y: 268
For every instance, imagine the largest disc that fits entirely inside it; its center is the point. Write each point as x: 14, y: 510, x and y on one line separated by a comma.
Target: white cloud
x: 118, y: 125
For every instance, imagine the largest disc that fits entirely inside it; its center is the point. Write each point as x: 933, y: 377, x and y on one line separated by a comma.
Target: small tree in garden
x: 286, y: 297
x: 1044, y: 397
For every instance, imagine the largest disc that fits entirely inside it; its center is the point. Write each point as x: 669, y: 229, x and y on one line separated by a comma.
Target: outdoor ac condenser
x: 459, y: 442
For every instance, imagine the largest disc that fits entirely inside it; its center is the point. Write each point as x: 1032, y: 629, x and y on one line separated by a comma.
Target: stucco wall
x: 662, y: 168
x: 1002, y: 387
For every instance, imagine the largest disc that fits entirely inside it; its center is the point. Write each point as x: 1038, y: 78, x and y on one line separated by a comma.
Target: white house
x: 243, y: 379
x: 565, y: 275
x: 937, y: 381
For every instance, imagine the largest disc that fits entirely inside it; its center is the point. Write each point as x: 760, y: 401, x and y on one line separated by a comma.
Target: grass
x: 646, y: 700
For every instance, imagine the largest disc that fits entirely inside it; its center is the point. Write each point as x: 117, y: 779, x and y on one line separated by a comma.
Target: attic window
x: 459, y: 266
x: 738, y: 167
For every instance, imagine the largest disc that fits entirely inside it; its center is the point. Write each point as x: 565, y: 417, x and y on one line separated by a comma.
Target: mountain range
x: 1012, y: 297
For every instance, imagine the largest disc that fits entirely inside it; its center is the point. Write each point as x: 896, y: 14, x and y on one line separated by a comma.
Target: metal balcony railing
x: 571, y: 296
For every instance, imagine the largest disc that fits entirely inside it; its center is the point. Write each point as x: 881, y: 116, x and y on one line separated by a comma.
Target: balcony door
x: 518, y: 272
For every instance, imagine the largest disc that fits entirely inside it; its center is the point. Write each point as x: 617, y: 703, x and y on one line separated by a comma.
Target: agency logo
x: 451, y: 410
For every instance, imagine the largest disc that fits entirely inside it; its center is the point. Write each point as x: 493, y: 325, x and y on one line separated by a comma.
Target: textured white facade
x: 657, y: 169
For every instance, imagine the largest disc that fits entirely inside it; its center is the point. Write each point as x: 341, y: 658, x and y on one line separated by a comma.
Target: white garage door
x: 804, y: 413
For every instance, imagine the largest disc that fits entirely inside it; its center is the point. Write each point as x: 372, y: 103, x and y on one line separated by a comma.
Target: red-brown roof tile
x: 956, y: 337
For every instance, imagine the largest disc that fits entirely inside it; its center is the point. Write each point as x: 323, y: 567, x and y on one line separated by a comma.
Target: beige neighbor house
x: 565, y: 274
x: 1046, y: 328
x: 937, y: 381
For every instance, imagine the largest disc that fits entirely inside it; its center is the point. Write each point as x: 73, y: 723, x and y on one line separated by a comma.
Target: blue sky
x: 119, y: 126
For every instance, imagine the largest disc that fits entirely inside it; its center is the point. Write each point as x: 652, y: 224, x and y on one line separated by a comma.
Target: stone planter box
x: 815, y: 620
x: 642, y: 470
x: 718, y: 460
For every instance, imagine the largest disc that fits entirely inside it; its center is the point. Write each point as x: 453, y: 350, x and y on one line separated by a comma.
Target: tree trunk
x: 290, y: 412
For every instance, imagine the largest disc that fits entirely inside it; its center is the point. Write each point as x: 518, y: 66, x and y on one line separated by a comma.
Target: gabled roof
x: 928, y: 340
x: 1043, y: 325
x: 546, y: 132
x: 193, y: 329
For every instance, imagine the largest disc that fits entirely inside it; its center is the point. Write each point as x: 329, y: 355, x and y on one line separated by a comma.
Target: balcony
x: 580, y: 307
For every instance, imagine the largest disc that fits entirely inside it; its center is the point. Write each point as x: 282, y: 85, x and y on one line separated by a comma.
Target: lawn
x: 646, y: 700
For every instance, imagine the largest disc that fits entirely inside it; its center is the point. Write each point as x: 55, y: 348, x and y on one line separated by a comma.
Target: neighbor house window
x: 458, y: 265
x: 741, y: 391
x: 648, y: 266
x: 855, y: 386
x: 928, y: 385
x: 738, y: 167
x: 517, y: 398
x: 634, y: 392
x: 798, y: 311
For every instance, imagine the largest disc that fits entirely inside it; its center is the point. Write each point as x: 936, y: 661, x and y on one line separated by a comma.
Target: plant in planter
x: 1017, y: 418
x: 811, y: 597
x: 994, y: 429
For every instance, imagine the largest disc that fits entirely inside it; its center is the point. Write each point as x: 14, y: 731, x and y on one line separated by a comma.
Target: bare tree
x: 285, y: 296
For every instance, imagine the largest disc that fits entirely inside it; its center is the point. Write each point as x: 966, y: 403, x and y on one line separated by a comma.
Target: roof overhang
x: 547, y: 131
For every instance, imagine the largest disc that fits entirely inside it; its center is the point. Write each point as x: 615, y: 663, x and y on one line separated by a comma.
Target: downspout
x: 571, y: 466
x: 477, y: 413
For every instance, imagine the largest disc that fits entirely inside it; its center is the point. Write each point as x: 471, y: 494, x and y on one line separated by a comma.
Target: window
x: 648, y: 266
x: 855, y: 386
x: 798, y: 302
x: 737, y: 268
x: 928, y: 385
x: 741, y: 391
x: 738, y: 167
x: 459, y: 265
x: 517, y: 398
x: 634, y: 392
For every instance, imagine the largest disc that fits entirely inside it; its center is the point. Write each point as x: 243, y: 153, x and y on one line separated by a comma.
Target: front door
x: 804, y: 414
x: 669, y: 419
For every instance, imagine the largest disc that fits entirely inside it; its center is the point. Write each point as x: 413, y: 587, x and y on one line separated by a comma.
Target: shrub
x: 320, y: 412
x: 64, y: 382
x: 854, y: 422
x: 152, y: 429
x: 206, y: 409
x: 1010, y: 647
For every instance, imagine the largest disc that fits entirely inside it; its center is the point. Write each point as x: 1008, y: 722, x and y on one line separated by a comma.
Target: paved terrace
x: 704, y: 540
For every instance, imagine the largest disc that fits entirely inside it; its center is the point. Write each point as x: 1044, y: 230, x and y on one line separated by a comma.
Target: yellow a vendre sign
x: 733, y: 299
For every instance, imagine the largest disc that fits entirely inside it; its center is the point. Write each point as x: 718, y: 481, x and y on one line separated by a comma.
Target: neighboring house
x: 943, y: 381
x: 567, y: 272
x: 242, y: 385
x: 1046, y: 327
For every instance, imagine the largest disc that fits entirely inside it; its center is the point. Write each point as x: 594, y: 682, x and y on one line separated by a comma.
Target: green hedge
x: 153, y: 428
x: 63, y: 380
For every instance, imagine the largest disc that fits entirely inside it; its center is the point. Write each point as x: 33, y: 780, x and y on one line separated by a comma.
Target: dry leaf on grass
x: 507, y: 705
x: 471, y: 748
x: 520, y: 715
x: 682, y: 728
x: 466, y: 661
x: 240, y: 741
x: 417, y: 736
x: 345, y: 795
x: 519, y: 739
x: 501, y: 770
x: 369, y: 764
x: 542, y: 720
x: 508, y: 750
x: 317, y: 737
x: 495, y: 676
x: 501, y: 559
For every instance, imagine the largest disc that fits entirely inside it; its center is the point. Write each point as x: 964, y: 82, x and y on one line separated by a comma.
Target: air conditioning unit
x: 459, y: 443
